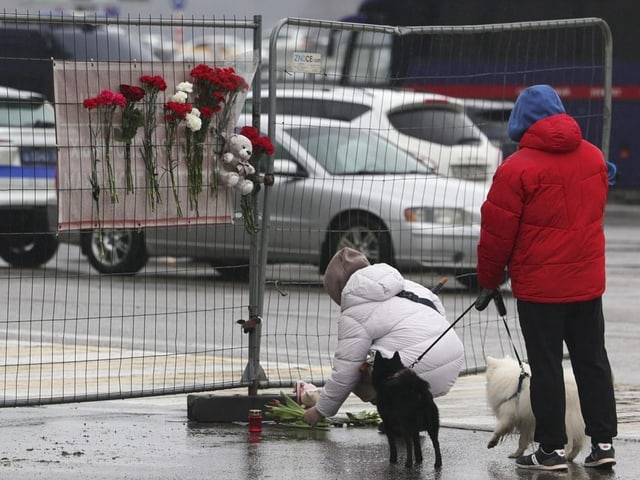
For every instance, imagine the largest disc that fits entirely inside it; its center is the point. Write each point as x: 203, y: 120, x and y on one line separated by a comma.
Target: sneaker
x: 602, y: 456
x: 540, y: 460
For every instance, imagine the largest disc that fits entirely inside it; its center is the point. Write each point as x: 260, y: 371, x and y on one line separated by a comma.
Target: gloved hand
x: 491, y: 294
x: 312, y: 416
x: 484, y: 298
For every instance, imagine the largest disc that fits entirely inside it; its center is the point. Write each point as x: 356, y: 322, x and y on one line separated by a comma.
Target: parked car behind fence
x: 335, y: 186
x: 435, y: 128
x: 28, y: 158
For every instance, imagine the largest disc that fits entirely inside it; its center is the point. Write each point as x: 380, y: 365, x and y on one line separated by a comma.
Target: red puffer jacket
x: 543, y: 217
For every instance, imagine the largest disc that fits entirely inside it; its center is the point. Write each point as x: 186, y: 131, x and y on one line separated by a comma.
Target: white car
x: 433, y: 127
x: 335, y: 186
x: 28, y: 162
x: 492, y: 117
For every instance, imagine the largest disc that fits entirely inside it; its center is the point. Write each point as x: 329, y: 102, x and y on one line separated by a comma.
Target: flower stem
x: 249, y: 214
x: 195, y: 152
x: 127, y: 159
x: 148, y: 151
x: 171, y: 165
x: 107, y: 128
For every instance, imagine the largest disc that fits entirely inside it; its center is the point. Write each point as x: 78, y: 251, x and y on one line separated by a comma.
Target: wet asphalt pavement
x: 153, y: 438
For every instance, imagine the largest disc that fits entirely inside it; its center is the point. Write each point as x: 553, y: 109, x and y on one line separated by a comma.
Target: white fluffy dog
x: 511, y: 405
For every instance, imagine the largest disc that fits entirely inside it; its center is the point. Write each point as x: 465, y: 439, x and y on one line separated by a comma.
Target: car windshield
x: 346, y: 152
x: 25, y: 113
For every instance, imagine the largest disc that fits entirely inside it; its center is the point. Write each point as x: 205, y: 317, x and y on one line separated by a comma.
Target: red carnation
x: 206, y: 112
x: 90, y: 103
x: 132, y: 93
x: 108, y: 98
x: 250, y: 132
x: 156, y: 82
x: 263, y: 144
x: 177, y: 110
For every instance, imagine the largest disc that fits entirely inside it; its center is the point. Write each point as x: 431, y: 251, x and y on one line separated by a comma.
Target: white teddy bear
x: 235, y: 166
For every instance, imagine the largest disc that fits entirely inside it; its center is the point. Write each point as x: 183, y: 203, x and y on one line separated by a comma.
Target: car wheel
x: 29, y: 250
x: 115, y: 251
x: 361, y: 232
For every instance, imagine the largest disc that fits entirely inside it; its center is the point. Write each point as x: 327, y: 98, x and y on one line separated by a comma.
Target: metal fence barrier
x: 112, y: 294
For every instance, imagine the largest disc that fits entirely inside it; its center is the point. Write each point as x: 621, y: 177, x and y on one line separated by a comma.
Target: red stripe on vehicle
x: 510, y: 92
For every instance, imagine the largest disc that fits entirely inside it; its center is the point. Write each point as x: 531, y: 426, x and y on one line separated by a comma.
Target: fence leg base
x: 209, y: 407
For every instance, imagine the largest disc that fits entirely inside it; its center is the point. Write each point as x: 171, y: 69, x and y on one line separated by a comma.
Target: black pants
x: 581, y: 326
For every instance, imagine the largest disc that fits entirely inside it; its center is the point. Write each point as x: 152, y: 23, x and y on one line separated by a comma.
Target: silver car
x: 334, y: 186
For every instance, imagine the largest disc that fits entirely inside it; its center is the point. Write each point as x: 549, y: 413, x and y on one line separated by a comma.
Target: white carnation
x: 193, y: 122
x: 195, y: 111
x: 179, y: 97
x: 185, y: 87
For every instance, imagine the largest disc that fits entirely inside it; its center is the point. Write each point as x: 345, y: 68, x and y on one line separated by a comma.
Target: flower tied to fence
x: 261, y: 147
x: 188, y: 124
x: 178, y: 110
x: 216, y: 90
x: 152, y: 85
x: 132, y: 119
x: 105, y: 104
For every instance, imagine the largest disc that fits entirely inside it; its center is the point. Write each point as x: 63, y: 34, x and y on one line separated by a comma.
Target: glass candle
x: 255, y: 420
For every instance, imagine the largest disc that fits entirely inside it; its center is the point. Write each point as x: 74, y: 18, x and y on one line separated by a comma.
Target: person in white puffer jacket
x: 374, y: 318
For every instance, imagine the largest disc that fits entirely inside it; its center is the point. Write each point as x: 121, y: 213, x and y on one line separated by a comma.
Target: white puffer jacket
x: 373, y: 317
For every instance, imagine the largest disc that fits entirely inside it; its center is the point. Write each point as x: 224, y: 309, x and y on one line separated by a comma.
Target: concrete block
x: 212, y: 407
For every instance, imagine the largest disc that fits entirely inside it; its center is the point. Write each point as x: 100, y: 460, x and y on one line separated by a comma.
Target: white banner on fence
x: 95, y: 186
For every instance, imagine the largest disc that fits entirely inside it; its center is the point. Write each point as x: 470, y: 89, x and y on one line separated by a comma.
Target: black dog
x: 406, y: 407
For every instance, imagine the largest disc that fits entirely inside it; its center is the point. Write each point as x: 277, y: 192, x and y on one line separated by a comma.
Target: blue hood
x: 533, y: 104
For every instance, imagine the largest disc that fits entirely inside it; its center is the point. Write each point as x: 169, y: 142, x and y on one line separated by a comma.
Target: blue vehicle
x: 28, y: 161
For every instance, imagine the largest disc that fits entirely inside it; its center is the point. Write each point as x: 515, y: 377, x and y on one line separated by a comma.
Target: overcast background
x: 271, y: 10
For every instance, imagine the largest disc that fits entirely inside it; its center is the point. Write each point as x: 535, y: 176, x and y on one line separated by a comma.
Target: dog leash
x: 424, y: 301
x: 417, y: 360
x: 481, y: 303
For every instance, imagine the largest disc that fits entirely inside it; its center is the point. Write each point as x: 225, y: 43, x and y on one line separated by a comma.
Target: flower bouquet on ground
x: 288, y: 413
x: 365, y: 418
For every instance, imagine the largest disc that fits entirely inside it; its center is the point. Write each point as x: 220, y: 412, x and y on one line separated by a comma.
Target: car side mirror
x: 285, y: 168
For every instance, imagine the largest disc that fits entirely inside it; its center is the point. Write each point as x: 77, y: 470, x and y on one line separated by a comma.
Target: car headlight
x: 441, y: 215
x: 469, y: 172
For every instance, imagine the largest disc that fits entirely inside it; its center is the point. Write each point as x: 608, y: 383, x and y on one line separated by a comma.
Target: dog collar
x: 521, y: 378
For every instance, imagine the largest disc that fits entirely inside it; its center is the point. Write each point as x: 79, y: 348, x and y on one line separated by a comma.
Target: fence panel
x: 151, y: 307
x: 111, y: 292
x: 344, y: 86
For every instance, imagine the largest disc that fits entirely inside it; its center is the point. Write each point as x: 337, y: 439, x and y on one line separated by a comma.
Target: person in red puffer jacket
x: 542, y: 220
